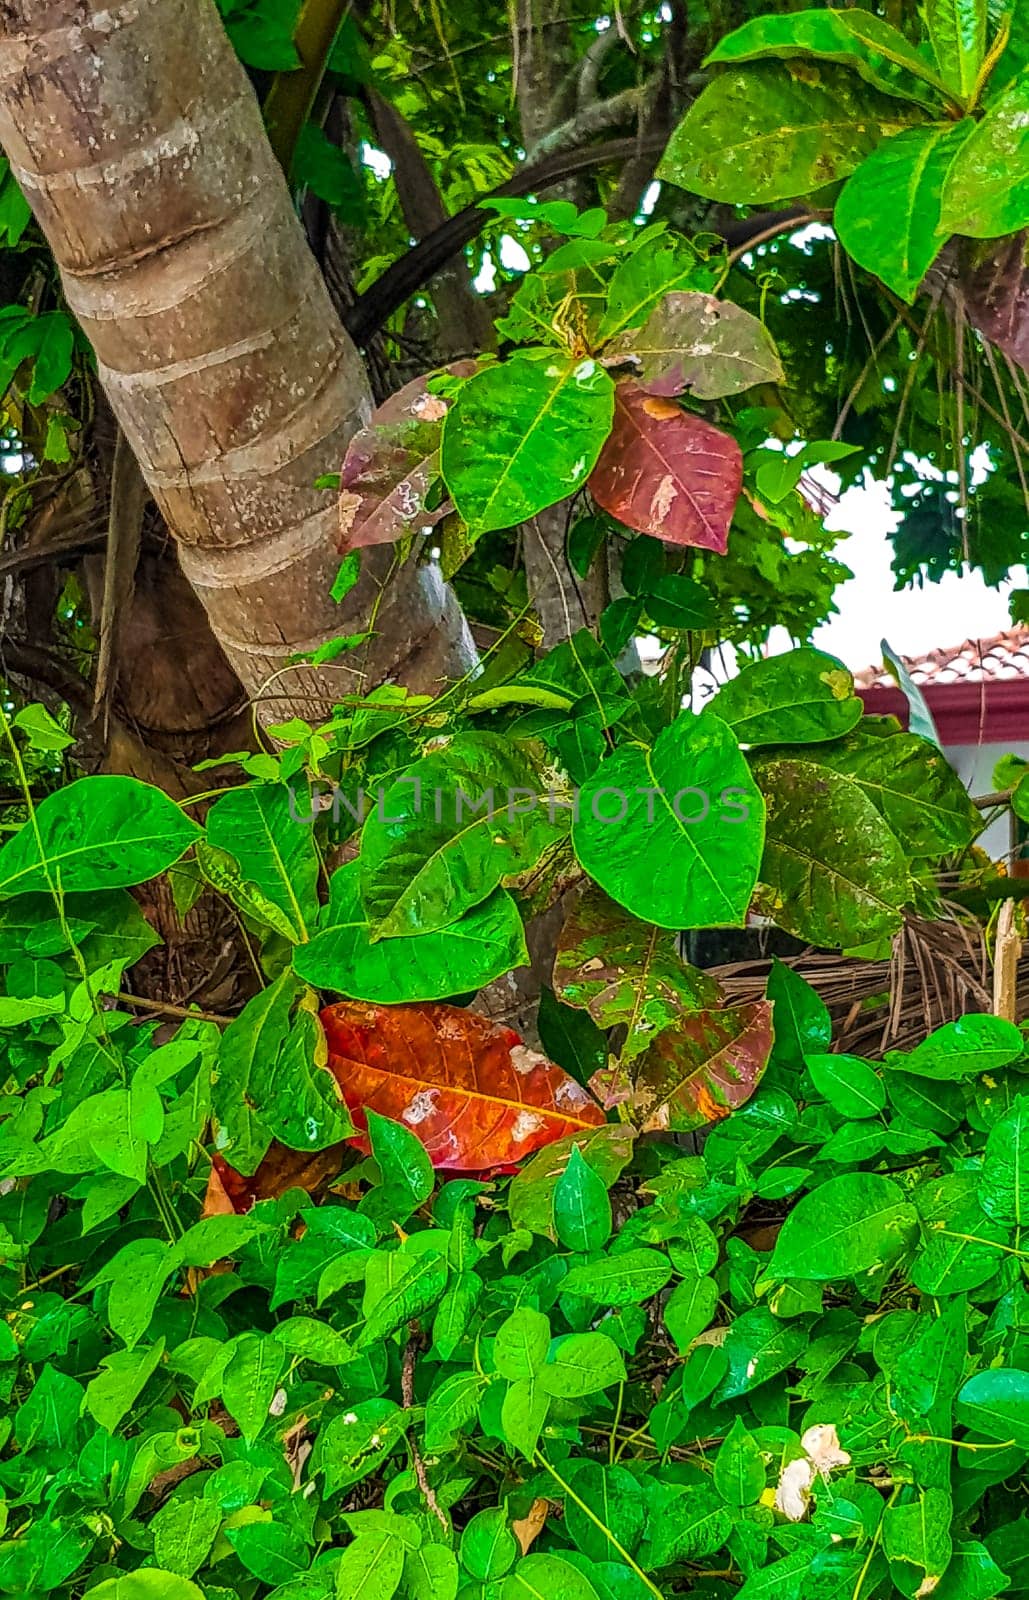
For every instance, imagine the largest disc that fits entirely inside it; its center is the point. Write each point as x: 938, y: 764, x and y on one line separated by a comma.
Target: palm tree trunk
x: 138, y: 141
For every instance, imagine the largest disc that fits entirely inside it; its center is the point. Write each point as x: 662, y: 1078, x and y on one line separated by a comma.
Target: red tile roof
x: 1003, y: 657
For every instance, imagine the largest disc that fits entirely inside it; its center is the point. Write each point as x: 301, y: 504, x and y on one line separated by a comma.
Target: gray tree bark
x: 138, y: 141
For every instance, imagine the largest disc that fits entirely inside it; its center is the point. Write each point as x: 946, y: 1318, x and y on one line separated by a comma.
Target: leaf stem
x: 541, y: 1461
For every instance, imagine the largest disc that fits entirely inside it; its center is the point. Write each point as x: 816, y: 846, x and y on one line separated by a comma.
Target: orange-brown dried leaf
x: 470, y: 1089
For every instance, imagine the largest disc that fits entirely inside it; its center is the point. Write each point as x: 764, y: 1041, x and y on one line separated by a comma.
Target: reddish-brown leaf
x: 280, y: 1170
x: 391, y: 465
x: 694, y: 342
x: 666, y: 472
x: 474, y: 1094
x: 697, y: 1072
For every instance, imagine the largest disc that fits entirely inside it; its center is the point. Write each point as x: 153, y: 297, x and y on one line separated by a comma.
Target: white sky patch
x: 650, y: 199
x: 512, y: 256
x: 377, y: 160
x: 485, y: 280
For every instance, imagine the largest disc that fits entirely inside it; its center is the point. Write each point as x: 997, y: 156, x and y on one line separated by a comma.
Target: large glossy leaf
x: 445, y: 834
x: 964, y: 1049
x: 524, y: 434
x: 468, y: 1088
x: 1004, y: 1182
x: 916, y: 1540
x: 958, y: 1250
x: 656, y: 268
x: 275, y: 852
x: 856, y: 37
x: 889, y: 214
x: 832, y: 871
x: 699, y: 1071
x: 391, y: 465
x: 957, y: 32
x: 105, y: 832
x: 688, y: 803
x: 843, y: 1228
x: 695, y: 344
x: 763, y: 133
x: 271, y: 1081
x: 996, y: 1403
x: 625, y: 972
x: 913, y: 787
x: 987, y: 192
x: 487, y: 941
x: 803, y: 697
x: 668, y: 473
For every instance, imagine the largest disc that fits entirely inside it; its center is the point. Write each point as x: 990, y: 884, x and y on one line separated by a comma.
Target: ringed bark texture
x: 137, y: 139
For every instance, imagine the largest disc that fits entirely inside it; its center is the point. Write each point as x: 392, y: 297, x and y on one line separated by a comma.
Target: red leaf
x: 467, y: 1087
x: 668, y: 473
x: 391, y: 465
x: 280, y: 1170
x: 697, y: 1072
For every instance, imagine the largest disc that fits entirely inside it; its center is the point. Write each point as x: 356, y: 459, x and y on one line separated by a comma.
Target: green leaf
x: 850, y: 1085
x: 547, y: 1577
x: 250, y: 1380
x: 569, y: 1036
x: 608, y: 1150
x: 119, y: 1383
x: 762, y: 133
x: 987, y: 192
x: 147, y: 1584
x: 445, y: 834
x: 972, y: 1045
x: 184, y: 1531
x: 371, y: 1568
x: 917, y: 1534
x: 641, y: 281
x: 96, y: 833
x: 431, y: 1573
x: 689, y: 1309
x: 758, y: 1346
x: 832, y: 872
x: 406, y: 1175
x: 686, y: 1525
x: 957, y: 33
x: 1004, y: 1182
x: 488, y: 1547
x: 844, y: 1227
x: 486, y: 942
x: 582, y: 1210
x: 620, y: 1280
x: 450, y: 1407
x: 523, y: 1413
x: 270, y: 1551
x: 688, y: 801
x: 739, y: 1474
x: 889, y: 214
x: 959, y: 1240
x: 137, y: 1275
x: 802, y: 697
x: 275, y: 852
x: 41, y: 729
x: 855, y: 37
x: 972, y: 1574
x: 801, y: 1017
x: 411, y: 1296
x: 524, y: 434
x: 913, y: 787
x: 522, y: 1344
x: 618, y: 1502
x: 582, y: 1364
x: 325, y: 168
x: 678, y: 602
